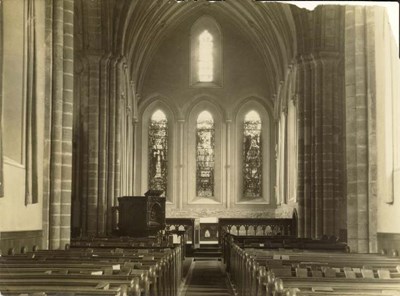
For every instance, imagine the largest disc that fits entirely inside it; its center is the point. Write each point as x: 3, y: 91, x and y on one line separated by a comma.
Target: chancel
x: 237, y: 147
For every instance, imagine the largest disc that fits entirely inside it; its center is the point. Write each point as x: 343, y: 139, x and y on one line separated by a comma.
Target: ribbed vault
x: 141, y: 26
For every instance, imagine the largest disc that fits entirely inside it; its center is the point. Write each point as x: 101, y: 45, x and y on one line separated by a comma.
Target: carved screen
x: 158, y: 151
x: 252, y: 156
x: 205, y: 155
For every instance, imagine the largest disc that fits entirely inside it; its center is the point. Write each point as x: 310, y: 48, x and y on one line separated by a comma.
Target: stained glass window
x: 205, y: 155
x: 252, y: 156
x: 205, y: 62
x: 158, y: 151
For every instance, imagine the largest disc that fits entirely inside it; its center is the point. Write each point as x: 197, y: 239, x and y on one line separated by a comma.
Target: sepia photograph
x: 199, y: 148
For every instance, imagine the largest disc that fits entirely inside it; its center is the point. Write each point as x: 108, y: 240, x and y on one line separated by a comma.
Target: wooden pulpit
x: 141, y: 216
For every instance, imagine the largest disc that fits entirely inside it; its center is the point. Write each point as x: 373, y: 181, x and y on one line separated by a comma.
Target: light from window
x: 158, y: 151
x: 205, y: 143
x: 252, y: 156
x: 205, y: 61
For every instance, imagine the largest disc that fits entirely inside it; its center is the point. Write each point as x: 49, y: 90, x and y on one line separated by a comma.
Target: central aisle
x: 207, y: 278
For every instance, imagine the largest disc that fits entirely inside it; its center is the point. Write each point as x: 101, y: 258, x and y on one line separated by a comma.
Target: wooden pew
x: 252, y: 271
x: 163, y: 266
x: 315, y: 268
x: 283, y: 286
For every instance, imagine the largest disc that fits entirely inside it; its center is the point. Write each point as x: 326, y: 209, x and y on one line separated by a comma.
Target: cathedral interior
x: 249, y: 112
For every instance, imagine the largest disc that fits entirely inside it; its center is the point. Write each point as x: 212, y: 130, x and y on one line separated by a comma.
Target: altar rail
x: 183, y: 227
x: 257, y: 226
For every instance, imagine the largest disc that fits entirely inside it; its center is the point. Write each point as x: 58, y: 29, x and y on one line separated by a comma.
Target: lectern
x: 141, y: 216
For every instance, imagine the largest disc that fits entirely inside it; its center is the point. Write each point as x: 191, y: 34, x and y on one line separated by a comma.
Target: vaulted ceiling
x: 140, y: 26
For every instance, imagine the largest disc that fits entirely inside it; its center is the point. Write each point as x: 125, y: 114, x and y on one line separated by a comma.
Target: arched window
x: 252, y: 156
x: 158, y: 151
x: 206, y: 53
x: 254, y: 167
x: 205, y: 155
x: 205, y: 67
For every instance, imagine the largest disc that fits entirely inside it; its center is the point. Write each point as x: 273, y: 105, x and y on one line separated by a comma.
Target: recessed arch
x: 206, y: 102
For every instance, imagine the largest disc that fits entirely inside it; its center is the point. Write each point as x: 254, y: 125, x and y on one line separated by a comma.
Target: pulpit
x: 141, y: 216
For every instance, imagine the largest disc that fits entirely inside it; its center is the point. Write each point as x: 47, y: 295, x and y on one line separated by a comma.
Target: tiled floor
x: 207, y: 278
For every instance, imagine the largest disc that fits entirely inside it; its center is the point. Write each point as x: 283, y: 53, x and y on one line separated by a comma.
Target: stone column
x: 58, y: 134
x: 93, y: 144
x: 67, y: 121
x: 1, y: 102
x: 181, y: 123
x: 228, y: 191
x: 320, y: 162
x: 111, y: 185
x: 360, y: 128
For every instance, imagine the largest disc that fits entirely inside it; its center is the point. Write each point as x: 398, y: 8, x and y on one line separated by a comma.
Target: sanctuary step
x: 210, y: 251
x: 207, y: 278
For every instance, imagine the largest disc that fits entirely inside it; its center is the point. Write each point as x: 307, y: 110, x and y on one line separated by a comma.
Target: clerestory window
x: 206, y: 53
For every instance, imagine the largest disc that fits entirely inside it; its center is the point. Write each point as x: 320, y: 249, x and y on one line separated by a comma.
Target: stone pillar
x: 181, y: 123
x: 1, y: 102
x: 58, y: 133
x: 105, y: 120
x: 228, y: 190
x: 320, y: 162
x: 67, y: 121
x: 103, y: 123
x: 93, y: 144
x: 111, y: 185
x: 360, y: 129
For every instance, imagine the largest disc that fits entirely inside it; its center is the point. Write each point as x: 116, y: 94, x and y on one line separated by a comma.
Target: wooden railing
x: 184, y: 228
x: 257, y: 226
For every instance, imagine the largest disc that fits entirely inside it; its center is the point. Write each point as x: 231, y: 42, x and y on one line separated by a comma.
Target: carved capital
x: 295, y: 98
x: 284, y: 110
